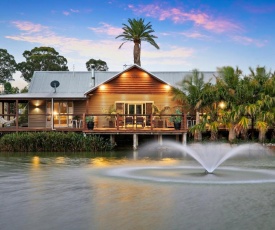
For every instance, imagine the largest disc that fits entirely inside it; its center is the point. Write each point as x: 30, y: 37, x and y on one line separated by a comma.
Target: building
x: 61, y: 100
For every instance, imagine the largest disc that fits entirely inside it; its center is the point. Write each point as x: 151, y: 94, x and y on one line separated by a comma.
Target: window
x: 134, y: 107
x: 61, y: 113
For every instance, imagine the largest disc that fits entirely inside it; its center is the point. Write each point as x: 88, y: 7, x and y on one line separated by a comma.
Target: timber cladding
x: 134, y: 81
x: 36, y: 117
x: 100, y: 102
x: 130, y: 87
x: 134, y: 85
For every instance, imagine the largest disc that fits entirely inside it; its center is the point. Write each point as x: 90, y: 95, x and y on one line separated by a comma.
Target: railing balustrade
x: 102, y: 121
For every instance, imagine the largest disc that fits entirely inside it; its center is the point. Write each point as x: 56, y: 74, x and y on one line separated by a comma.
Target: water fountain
x: 209, y: 156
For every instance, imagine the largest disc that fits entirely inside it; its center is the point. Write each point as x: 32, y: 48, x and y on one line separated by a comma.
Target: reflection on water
x: 55, y: 191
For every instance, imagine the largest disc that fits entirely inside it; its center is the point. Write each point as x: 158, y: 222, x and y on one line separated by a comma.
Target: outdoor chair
x: 140, y: 121
x: 148, y: 120
x: 120, y: 121
x: 129, y: 121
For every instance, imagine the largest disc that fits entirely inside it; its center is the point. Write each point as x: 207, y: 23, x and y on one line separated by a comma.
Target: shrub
x: 53, y: 142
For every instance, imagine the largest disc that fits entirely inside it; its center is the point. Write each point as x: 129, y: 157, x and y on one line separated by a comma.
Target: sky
x: 202, y: 34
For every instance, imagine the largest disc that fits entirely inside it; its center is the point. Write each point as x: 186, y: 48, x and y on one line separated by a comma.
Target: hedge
x: 53, y: 142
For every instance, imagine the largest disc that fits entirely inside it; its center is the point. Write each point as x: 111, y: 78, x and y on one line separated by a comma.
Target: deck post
x: 84, y: 122
x: 112, y: 139
x: 16, y: 114
x: 151, y: 121
x: 184, y: 139
x: 52, y: 115
x: 185, y: 122
x: 160, y: 139
x: 135, y: 141
x: 135, y: 154
x: 3, y: 106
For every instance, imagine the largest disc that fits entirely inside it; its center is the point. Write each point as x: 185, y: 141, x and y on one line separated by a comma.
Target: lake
x: 77, y: 191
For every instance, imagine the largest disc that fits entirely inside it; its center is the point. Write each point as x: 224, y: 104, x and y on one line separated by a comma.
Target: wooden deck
x: 113, y: 133
x: 144, y: 131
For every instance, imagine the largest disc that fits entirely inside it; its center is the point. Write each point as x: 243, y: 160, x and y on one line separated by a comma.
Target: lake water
x: 54, y: 191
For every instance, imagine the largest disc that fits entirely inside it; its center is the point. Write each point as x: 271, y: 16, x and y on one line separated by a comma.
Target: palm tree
x: 265, y: 115
x: 190, y: 93
x: 231, y: 90
x: 261, y: 99
x: 136, y: 32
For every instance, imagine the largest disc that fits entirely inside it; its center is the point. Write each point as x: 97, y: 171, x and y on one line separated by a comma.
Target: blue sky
x: 191, y: 34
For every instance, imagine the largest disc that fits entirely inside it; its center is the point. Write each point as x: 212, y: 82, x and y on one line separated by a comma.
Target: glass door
x: 132, y: 108
x: 135, y: 109
x: 61, y: 113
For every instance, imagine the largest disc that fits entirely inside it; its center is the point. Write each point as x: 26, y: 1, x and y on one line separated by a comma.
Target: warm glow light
x: 37, y: 103
x: 99, y: 161
x: 167, y: 87
x: 60, y: 160
x: 36, y: 160
x: 168, y: 161
x: 222, y: 105
x: 102, y: 87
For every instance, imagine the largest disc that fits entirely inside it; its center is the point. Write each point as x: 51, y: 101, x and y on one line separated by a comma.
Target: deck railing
x: 101, y: 121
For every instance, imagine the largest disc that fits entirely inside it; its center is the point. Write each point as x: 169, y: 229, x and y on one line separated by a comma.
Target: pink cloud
x: 107, y: 29
x: 68, y: 12
x: 249, y: 41
x: 74, y: 11
x: 177, y: 15
x: 78, y: 51
x: 195, y: 34
x: 29, y: 26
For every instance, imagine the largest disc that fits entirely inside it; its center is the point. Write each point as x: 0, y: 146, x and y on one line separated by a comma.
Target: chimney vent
x: 93, y: 75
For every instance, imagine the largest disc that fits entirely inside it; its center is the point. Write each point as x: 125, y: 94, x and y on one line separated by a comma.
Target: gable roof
x: 77, y: 84
x: 119, y: 73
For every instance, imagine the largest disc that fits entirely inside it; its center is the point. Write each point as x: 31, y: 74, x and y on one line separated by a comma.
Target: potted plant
x: 111, y: 111
x: 90, y: 122
x: 158, y: 113
x: 176, y: 119
x: 75, y: 121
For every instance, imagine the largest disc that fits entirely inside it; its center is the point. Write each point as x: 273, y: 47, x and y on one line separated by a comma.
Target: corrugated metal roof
x: 43, y: 95
x: 173, y: 78
x: 70, y: 82
x: 74, y: 84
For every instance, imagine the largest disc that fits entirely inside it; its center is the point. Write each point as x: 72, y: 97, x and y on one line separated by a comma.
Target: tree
x: 234, y: 92
x: 190, y: 91
x: 41, y: 59
x: 25, y: 89
x: 9, y: 89
x: 7, y: 66
x: 136, y: 32
x: 98, y: 64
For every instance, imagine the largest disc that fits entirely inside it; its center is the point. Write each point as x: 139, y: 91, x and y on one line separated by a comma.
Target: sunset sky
x: 191, y: 34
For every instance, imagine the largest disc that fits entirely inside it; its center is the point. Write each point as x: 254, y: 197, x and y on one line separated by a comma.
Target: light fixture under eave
x: 167, y: 87
x: 37, y: 103
x: 102, y: 87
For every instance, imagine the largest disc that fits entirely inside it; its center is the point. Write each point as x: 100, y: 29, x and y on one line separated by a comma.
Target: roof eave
x: 127, y: 69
